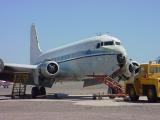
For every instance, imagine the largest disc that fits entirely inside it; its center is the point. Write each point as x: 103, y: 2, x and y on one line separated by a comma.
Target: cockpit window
x: 118, y: 43
x: 109, y: 43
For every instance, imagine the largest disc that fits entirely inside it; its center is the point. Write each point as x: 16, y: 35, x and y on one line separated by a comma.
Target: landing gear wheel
x: 56, y: 96
x: 42, y: 91
x: 35, y: 92
x: 94, y: 97
x: 151, y: 94
x: 132, y: 93
x: 111, y: 91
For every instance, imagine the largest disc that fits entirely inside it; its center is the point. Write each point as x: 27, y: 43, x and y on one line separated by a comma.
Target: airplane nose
x: 121, y: 59
x: 121, y: 50
x: 117, y: 49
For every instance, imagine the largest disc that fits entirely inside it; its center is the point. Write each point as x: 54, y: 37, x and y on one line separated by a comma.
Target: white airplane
x: 99, y: 55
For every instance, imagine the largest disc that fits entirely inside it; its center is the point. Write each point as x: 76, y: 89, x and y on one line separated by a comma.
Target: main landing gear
x: 38, y: 91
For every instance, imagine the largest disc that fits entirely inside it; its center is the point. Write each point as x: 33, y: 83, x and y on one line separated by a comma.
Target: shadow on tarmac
x: 49, y: 96
x: 60, y: 96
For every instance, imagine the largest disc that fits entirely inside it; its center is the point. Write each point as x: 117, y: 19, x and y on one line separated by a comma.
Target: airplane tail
x: 35, y: 50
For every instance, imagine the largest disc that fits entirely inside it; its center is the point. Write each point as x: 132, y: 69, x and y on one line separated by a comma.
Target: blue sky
x: 136, y: 23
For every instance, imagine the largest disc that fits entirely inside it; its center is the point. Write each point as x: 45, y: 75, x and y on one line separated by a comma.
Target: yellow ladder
x: 19, y: 85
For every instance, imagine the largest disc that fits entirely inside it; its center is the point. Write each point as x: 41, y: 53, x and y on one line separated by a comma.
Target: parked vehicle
x: 147, y: 83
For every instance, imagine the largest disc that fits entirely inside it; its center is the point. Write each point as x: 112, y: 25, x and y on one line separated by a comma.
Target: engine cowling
x: 48, y: 69
x: 132, y: 68
x: 1, y: 65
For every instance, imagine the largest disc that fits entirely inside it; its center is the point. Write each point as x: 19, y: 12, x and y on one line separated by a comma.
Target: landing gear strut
x: 38, y: 91
x: 111, y: 91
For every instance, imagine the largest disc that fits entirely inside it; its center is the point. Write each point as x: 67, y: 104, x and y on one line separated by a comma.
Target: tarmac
x: 75, y: 103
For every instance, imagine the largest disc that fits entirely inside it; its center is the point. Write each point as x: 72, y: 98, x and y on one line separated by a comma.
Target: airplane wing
x: 42, y: 74
x: 19, y: 67
x: 8, y: 71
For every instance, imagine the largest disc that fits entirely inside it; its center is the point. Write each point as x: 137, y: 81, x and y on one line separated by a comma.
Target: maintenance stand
x: 19, y: 85
x: 114, y: 87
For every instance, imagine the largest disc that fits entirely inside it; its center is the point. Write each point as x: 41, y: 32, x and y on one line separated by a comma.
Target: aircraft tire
x: 42, y: 91
x: 132, y: 93
x: 151, y: 94
x: 35, y: 92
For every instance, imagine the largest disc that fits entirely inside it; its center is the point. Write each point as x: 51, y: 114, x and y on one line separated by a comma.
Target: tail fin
x: 35, y: 50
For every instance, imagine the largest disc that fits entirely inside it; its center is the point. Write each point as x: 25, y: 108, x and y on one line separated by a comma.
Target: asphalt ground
x: 75, y: 104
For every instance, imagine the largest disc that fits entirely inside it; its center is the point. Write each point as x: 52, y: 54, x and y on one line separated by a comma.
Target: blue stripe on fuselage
x: 83, y: 54
x: 83, y: 57
x: 79, y: 55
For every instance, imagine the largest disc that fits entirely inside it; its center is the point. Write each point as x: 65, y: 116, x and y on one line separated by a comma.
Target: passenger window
x: 98, y: 45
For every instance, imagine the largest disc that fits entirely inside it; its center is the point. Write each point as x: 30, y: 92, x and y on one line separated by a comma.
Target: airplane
x: 99, y: 55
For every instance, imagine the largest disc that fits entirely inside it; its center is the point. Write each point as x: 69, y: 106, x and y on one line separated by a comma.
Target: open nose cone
x: 121, y: 60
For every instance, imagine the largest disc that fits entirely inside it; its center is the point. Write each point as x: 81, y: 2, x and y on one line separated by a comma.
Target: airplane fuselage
x: 97, y: 55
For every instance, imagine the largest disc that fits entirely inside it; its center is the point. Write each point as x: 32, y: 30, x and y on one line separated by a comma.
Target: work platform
x: 19, y: 84
x: 115, y: 89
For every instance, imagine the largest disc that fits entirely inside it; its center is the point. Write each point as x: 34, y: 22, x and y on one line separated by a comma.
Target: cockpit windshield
x: 107, y: 43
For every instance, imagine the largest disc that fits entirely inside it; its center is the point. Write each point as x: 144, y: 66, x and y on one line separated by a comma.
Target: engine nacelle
x: 48, y: 69
x: 1, y: 65
x: 132, y: 69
